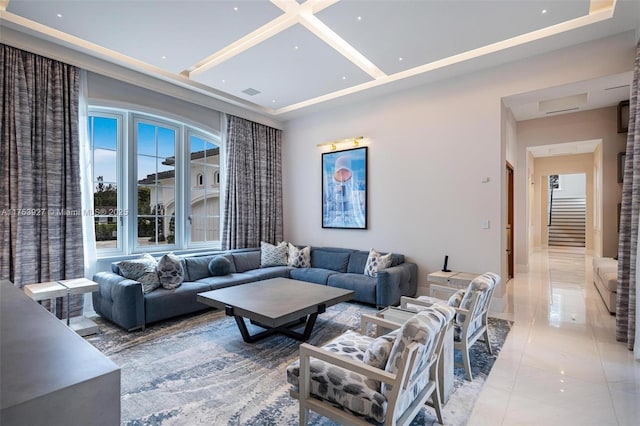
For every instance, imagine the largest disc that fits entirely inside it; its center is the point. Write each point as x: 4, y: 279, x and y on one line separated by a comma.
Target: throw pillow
x: 142, y: 270
x: 219, y: 266
x: 135, y: 268
x: 299, y: 258
x: 170, y: 271
x: 271, y: 255
x: 376, y: 262
x: 378, y: 351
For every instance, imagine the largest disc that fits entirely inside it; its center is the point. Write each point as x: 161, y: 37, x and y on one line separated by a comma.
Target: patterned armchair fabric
x: 361, y: 392
x: 472, y: 308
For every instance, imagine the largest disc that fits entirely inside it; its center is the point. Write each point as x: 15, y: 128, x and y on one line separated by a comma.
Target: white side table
x: 54, y: 289
x: 445, y: 366
x: 442, y: 285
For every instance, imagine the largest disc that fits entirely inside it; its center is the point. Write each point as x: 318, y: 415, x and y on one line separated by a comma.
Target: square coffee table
x: 278, y: 305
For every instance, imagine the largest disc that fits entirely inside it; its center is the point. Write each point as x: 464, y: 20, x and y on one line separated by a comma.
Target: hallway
x: 561, y: 364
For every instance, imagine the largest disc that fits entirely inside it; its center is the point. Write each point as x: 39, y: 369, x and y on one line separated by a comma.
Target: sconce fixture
x: 334, y: 144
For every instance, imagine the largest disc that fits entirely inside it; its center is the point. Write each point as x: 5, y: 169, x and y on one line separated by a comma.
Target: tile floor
x: 561, y: 364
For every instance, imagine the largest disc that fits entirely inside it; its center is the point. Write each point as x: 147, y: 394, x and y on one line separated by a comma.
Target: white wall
x: 430, y: 149
x: 571, y: 186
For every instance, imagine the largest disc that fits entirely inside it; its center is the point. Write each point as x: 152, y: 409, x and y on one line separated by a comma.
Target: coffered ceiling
x: 280, y: 56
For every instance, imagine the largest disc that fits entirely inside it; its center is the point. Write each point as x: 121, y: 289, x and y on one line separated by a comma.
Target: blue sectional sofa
x: 123, y: 302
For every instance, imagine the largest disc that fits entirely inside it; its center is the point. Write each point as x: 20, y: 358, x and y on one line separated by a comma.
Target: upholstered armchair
x: 358, y: 379
x: 472, y: 311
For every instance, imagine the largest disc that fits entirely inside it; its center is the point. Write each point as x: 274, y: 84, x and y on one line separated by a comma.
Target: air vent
x: 562, y: 110
x: 563, y: 104
x: 251, y: 91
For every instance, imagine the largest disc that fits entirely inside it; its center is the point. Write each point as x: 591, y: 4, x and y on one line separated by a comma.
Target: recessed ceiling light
x: 235, y: 8
x: 164, y: 57
x: 400, y: 59
x: 344, y: 77
x: 224, y: 81
x: 295, y: 48
x: 59, y: 15
x: 544, y: 11
x: 359, y: 18
x: 273, y: 101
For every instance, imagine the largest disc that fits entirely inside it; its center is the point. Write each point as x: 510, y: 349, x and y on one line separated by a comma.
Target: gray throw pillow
x: 142, y: 270
x: 271, y: 255
x: 170, y: 271
x: 219, y: 266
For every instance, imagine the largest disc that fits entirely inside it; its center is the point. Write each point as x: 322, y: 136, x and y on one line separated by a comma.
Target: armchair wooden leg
x: 435, y: 398
x: 467, y: 364
x: 304, y: 386
x: 486, y: 339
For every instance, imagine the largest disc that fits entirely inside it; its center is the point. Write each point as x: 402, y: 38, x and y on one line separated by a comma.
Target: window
x: 156, y: 185
x: 204, y: 214
x: 139, y: 203
x: 104, y: 139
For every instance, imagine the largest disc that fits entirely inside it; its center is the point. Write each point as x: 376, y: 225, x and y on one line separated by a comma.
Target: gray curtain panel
x: 40, y: 223
x: 629, y: 214
x: 253, y: 190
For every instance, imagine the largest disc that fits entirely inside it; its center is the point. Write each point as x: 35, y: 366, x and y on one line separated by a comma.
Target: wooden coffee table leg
x: 310, y: 323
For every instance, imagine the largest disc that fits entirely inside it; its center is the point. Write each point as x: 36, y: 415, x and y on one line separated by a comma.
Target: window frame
x: 127, y: 180
x: 189, y: 132
x: 121, y: 173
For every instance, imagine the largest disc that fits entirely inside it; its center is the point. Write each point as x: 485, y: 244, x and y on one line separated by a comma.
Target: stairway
x: 567, y: 222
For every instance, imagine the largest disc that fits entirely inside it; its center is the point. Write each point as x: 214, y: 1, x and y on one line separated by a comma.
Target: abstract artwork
x: 344, y: 189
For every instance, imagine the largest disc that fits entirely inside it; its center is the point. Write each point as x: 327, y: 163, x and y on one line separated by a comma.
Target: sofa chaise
x: 123, y: 302
x: 605, y: 278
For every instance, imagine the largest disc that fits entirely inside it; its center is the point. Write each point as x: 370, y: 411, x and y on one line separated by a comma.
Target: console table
x: 442, y: 285
x: 49, y: 375
x: 54, y: 289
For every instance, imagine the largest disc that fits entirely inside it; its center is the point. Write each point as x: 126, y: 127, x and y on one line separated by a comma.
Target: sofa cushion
x: 299, y: 257
x: 376, y: 262
x: 330, y: 259
x: 226, y: 280
x: 219, y: 266
x: 271, y: 255
x: 269, y: 272
x: 164, y: 303
x: 311, y: 275
x: 171, y: 271
x: 357, y: 261
x: 246, y: 260
x: 365, y: 287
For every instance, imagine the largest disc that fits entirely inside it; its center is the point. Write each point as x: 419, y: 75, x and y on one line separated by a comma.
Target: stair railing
x: 550, y: 205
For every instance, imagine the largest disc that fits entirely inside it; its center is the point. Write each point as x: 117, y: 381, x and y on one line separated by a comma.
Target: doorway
x: 510, y: 209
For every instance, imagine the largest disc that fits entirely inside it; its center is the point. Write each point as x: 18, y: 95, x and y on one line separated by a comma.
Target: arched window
x: 216, y: 178
x: 200, y: 179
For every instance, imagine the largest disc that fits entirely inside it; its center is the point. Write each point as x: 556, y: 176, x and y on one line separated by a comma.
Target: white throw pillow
x: 299, y: 258
x: 271, y: 255
x: 376, y: 262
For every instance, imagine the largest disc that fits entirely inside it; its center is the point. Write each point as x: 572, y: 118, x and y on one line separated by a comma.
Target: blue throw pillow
x: 219, y: 266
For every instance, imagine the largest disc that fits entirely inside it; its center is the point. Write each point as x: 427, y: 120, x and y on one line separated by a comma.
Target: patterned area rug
x: 197, y: 370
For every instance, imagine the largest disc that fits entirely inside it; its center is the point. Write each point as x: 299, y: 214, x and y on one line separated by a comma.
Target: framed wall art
x: 622, y: 158
x: 344, y: 189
